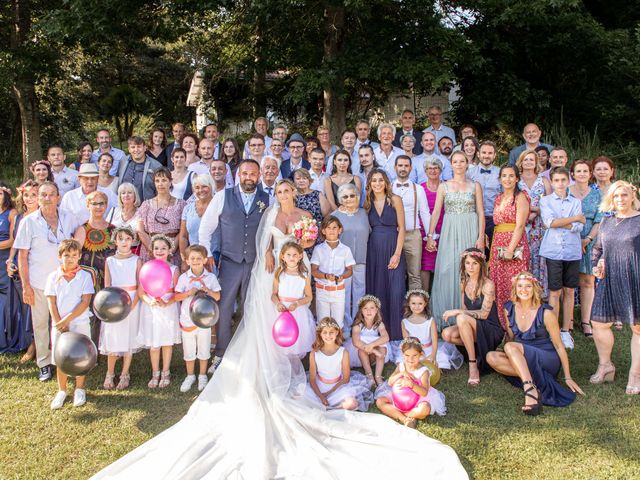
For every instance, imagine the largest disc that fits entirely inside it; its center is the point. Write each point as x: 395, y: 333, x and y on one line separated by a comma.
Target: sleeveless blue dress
x: 542, y: 359
x: 387, y: 285
x: 15, y: 317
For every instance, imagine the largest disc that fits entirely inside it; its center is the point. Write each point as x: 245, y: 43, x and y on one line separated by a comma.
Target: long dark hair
x: 334, y: 168
x: 7, y: 201
x: 233, y: 161
x: 517, y: 190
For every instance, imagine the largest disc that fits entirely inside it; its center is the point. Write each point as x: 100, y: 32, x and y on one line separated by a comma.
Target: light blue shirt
x: 192, y: 222
x: 419, y: 176
x: 247, y: 199
x: 490, y: 183
x: 388, y: 164
x: 561, y: 243
x: 443, y: 131
x: 118, y: 156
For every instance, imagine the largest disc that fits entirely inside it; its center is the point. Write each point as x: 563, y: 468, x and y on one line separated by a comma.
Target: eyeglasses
x: 351, y: 195
x: 97, y: 204
x: 254, y: 145
x: 295, y: 146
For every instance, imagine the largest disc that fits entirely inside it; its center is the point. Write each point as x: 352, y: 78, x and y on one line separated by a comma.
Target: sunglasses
x: 161, y: 219
x: 351, y: 195
x: 97, y: 204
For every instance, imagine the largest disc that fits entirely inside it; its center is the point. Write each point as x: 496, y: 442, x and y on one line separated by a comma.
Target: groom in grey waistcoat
x: 236, y: 212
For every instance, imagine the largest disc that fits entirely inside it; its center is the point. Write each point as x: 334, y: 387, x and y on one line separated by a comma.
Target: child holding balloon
x: 196, y: 341
x: 119, y: 339
x: 292, y: 293
x: 419, y: 323
x: 369, y: 339
x: 68, y: 291
x: 331, y: 382
x: 159, y: 328
x: 407, y: 396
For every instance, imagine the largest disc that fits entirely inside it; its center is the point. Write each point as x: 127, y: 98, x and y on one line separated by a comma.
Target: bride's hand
x: 307, y: 243
x: 269, y: 262
x: 394, y: 261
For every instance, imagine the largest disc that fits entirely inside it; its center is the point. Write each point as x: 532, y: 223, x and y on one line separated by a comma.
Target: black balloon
x: 112, y: 304
x: 204, y: 311
x: 75, y: 354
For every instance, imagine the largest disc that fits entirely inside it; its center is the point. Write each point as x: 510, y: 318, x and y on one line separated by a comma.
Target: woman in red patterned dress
x: 509, y: 249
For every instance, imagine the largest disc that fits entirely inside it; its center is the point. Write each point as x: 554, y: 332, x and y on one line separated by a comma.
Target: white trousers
x: 330, y: 304
x: 196, y: 344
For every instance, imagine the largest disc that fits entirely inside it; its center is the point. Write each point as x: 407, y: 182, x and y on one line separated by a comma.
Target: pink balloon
x: 285, y: 330
x: 404, y: 398
x: 156, y: 278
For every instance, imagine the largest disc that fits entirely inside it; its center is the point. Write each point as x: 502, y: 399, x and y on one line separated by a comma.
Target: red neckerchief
x: 70, y: 275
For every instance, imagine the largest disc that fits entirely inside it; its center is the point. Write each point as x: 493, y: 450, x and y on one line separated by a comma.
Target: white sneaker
x: 215, y: 364
x: 567, y: 340
x: 202, y: 382
x: 187, y: 383
x: 58, y: 400
x: 79, y: 397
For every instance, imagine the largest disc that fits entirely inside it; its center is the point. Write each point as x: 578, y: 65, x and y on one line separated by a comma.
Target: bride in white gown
x: 251, y: 421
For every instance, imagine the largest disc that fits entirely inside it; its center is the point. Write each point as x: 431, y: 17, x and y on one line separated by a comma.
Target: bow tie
x: 484, y: 170
x: 402, y: 185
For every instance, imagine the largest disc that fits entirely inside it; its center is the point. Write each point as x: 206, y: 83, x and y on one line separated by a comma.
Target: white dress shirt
x: 410, y: 193
x: 317, y: 181
x: 388, y: 164
x: 332, y: 261
x: 66, y: 179
x: 75, y: 203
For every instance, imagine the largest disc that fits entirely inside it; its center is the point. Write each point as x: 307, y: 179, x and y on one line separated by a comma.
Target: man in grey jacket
x: 138, y: 169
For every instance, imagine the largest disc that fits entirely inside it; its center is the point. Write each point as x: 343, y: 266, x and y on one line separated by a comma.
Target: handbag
x: 517, y: 253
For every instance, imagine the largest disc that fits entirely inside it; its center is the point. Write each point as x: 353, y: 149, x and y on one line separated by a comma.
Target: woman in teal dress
x: 462, y: 228
x: 581, y: 171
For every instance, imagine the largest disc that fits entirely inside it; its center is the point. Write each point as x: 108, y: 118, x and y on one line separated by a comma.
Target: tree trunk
x: 333, y: 112
x: 24, y: 89
x: 259, y: 77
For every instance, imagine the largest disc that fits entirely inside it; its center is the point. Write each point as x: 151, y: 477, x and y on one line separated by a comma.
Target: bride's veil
x: 251, y: 422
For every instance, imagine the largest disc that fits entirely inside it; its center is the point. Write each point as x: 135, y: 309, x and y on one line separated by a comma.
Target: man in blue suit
x: 408, y: 121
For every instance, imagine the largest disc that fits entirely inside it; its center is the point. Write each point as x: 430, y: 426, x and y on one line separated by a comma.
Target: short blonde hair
x: 607, y: 200
x: 97, y: 195
x: 520, y: 159
x: 129, y: 187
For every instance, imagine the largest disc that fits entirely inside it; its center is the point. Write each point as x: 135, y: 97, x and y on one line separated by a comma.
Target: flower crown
x: 417, y: 291
x: 369, y: 298
x: 327, y: 322
x: 411, y: 341
x: 125, y: 229
x: 473, y: 253
x: 161, y: 236
x: 525, y: 276
x: 39, y: 162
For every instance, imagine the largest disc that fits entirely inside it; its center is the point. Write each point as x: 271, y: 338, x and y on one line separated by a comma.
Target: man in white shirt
x: 437, y: 127
x: 416, y: 210
x: 37, y: 240
x: 103, y: 139
x: 386, y: 153
x: 418, y: 175
x: 316, y: 160
x: 65, y: 177
x: 206, y: 148
x: 75, y: 201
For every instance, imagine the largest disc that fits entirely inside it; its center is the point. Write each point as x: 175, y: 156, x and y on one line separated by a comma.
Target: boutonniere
x: 261, y: 206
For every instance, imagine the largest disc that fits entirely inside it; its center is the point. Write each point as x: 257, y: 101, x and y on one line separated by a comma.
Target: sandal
x: 535, y: 408
x: 124, y: 381
x: 165, y: 380
x: 605, y: 373
x: 617, y: 325
x: 29, y: 355
x: 155, y: 378
x: 473, y: 382
x: 587, y: 324
x: 108, y: 382
x: 379, y: 380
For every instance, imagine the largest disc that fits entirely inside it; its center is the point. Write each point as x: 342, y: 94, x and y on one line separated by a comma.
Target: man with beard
x: 65, y: 177
x: 418, y: 175
x: 531, y: 135
x: 487, y: 175
x: 237, y: 212
x: 103, y: 138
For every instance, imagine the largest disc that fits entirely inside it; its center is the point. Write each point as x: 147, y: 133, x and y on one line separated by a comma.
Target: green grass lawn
x: 596, y: 437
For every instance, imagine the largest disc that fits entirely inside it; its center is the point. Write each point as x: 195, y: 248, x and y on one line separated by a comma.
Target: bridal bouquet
x: 305, y: 229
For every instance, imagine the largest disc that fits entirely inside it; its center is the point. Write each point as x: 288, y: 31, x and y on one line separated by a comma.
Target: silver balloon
x: 112, y: 304
x: 203, y: 311
x: 75, y: 354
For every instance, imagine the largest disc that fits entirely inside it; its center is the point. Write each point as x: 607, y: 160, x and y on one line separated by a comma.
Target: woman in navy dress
x: 9, y: 334
x: 386, y: 268
x: 534, y: 355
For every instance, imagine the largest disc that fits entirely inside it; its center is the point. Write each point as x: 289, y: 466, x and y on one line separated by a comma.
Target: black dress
x: 489, y: 333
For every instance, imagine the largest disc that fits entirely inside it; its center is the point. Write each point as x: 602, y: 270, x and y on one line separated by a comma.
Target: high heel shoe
x: 587, y: 324
x: 605, y: 373
x: 533, y: 409
x: 473, y: 382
